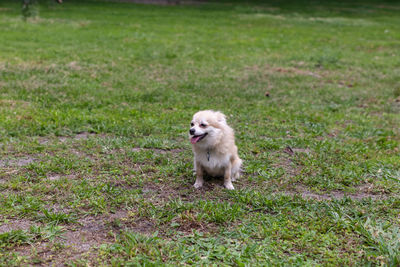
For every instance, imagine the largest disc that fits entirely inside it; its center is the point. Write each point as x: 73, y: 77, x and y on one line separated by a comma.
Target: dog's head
x: 206, y: 128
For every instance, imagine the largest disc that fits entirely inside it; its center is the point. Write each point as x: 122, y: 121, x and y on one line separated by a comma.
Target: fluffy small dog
x: 213, y: 144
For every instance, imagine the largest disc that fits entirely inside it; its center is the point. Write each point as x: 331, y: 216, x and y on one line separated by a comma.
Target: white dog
x: 214, y: 148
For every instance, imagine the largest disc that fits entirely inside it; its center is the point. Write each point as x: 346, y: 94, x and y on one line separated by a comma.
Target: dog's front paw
x: 198, y: 185
x: 229, y: 186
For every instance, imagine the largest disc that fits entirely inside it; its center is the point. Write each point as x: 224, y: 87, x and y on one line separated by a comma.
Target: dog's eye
x: 203, y: 125
x: 192, y: 124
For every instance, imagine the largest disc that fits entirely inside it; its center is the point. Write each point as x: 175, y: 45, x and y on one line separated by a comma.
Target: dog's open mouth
x: 197, y: 138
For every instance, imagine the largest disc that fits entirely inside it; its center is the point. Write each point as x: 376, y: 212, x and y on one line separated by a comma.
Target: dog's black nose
x: 192, y: 131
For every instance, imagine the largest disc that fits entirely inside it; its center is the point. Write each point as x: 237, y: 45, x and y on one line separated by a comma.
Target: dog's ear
x: 220, y: 117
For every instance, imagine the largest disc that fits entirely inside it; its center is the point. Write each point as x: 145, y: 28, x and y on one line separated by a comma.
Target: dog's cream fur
x: 213, y: 144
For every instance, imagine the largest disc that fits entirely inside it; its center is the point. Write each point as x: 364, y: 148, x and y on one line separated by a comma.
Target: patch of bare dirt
x: 142, y: 226
x: 79, y: 240
x: 57, y: 209
x: 160, y: 193
x: 286, y: 163
x: 14, y: 224
x: 296, y: 71
x: 83, y: 135
x: 76, y: 243
x: 290, y: 71
x: 43, y: 140
x: 78, y: 136
x: 13, y: 103
x: 164, y: 2
x: 158, y: 150
x: 21, y: 162
x: 291, y: 151
x: 363, y: 192
x: 55, y: 177
x: 187, y: 222
x: 83, y: 240
x: 74, y: 65
x: 92, y: 232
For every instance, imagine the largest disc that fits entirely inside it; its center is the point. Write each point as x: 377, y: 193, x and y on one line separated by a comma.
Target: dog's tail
x: 236, y: 168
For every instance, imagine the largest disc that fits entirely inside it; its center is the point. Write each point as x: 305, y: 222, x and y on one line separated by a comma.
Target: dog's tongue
x: 194, y: 139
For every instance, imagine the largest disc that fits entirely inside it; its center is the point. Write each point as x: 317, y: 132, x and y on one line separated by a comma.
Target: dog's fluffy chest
x: 213, y: 163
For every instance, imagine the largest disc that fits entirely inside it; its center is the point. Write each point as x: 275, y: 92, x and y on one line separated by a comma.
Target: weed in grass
x: 14, y: 238
x: 382, y: 239
x: 25, y: 205
x: 396, y: 91
x: 56, y: 217
x: 35, y: 234
x: 48, y: 232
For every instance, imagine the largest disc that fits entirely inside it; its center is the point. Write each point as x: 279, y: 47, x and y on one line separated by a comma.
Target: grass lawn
x: 96, y: 100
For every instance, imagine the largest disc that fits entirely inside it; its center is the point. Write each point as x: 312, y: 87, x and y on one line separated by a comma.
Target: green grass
x: 95, y: 104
